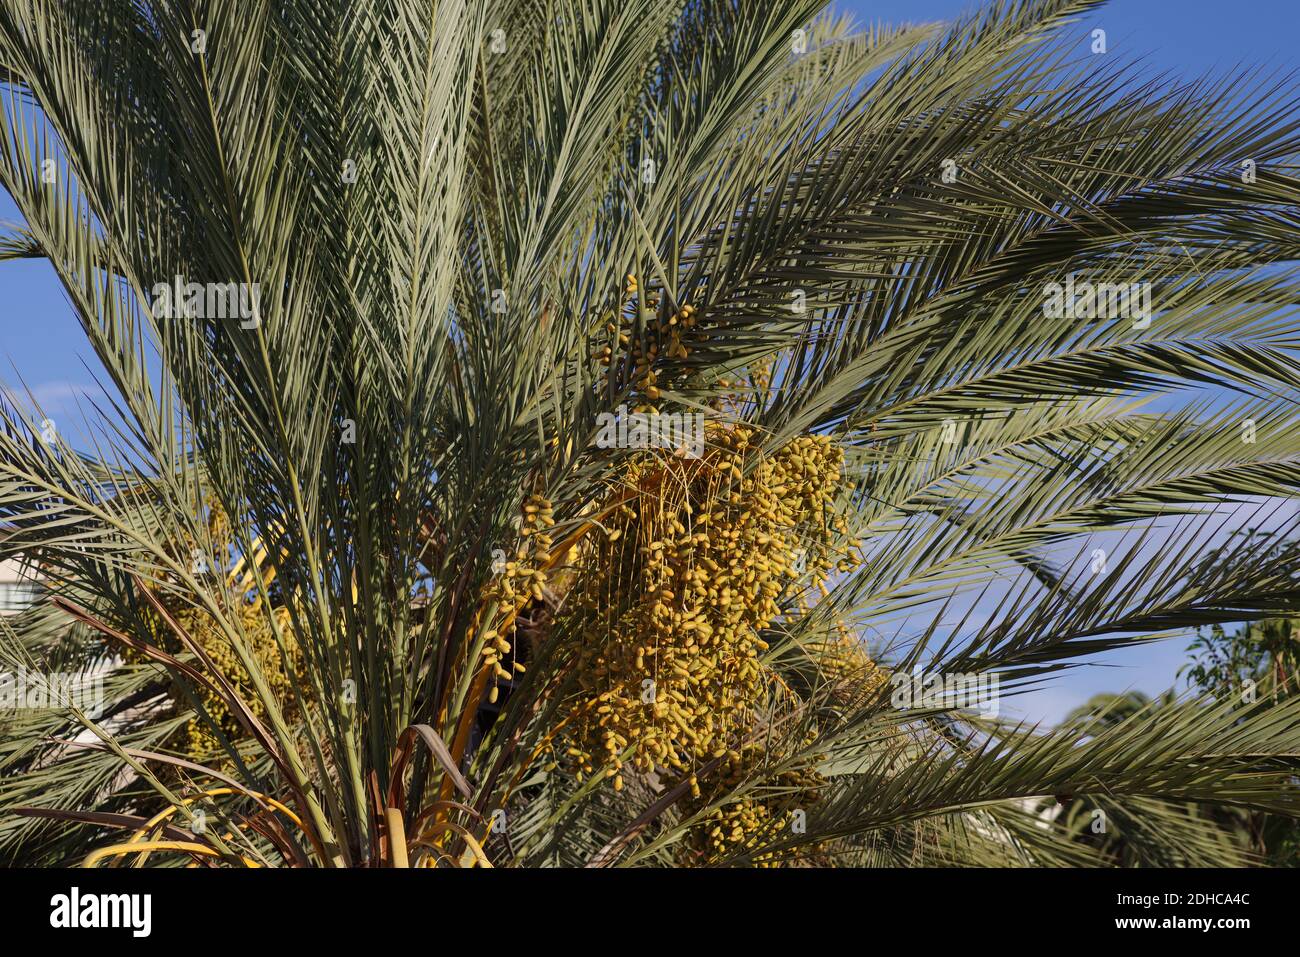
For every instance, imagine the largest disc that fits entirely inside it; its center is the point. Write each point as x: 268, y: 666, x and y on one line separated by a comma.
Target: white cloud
x: 48, y: 397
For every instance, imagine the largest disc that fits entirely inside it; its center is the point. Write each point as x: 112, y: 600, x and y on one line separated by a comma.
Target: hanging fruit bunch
x: 693, y: 567
x: 521, y: 578
x: 251, y: 623
x: 639, y: 337
x: 843, y: 663
x: 674, y: 600
x: 731, y: 825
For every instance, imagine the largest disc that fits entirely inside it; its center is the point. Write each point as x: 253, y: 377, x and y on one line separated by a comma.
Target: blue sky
x: 41, y: 343
x: 1185, y: 37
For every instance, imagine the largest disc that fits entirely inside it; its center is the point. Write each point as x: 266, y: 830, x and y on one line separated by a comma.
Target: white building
x: 18, y: 588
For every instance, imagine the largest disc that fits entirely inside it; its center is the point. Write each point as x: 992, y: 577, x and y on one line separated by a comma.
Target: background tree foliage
x: 1255, y: 662
x: 305, y: 637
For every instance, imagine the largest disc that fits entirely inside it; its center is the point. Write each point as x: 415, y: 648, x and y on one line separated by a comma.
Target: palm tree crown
x: 556, y: 432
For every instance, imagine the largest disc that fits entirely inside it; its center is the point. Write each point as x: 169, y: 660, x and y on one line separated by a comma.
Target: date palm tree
x: 622, y: 433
